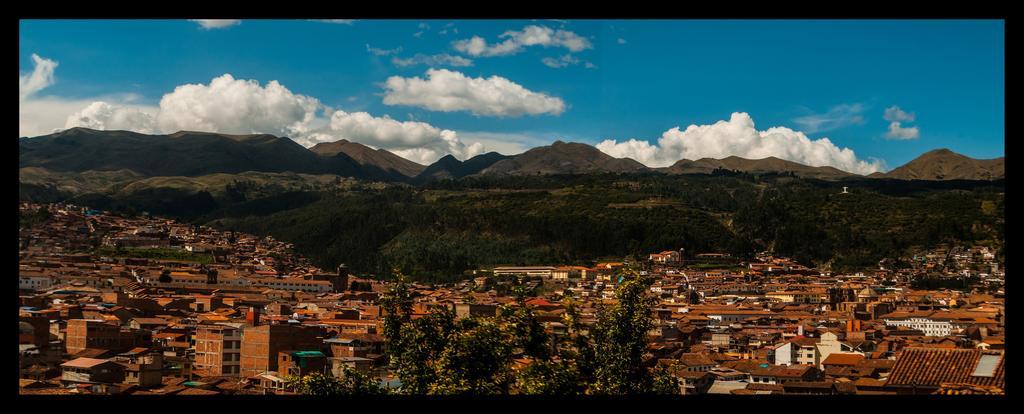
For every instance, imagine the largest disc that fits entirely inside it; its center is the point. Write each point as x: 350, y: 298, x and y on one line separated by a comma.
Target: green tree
x: 476, y: 360
x: 419, y: 345
x: 550, y: 378
x: 621, y: 335
x: 525, y: 331
x: 396, y: 304
x: 351, y: 383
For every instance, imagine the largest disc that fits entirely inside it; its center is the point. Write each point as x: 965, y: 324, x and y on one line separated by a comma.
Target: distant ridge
x: 563, y: 158
x: 757, y: 166
x: 368, y: 157
x: 943, y: 164
x: 448, y: 167
x: 191, y: 153
x: 183, y: 153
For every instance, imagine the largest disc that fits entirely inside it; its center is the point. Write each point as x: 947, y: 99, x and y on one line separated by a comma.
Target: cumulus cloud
x: 209, y: 24
x: 895, y: 114
x: 40, y: 77
x: 448, y: 91
x: 442, y: 59
x: 838, y: 116
x: 517, y: 40
x: 739, y: 137
x: 237, y: 106
x: 897, y: 131
x: 102, y: 115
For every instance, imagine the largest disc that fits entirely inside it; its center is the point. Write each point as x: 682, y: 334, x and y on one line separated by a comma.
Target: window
x: 987, y: 366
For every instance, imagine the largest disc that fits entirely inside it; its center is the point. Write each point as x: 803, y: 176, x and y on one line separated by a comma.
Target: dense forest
x: 439, y: 231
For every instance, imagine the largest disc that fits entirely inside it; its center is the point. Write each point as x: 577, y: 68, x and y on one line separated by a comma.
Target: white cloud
x: 894, y: 113
x: 382, y: 52
x: 838, y: 116
x: 622, y: 41
x: 417, y: 141
x: 896, y: 131
x: 448, y: 91
x: 102, y: 115
x: 739, y: 137
x: 209, y: 24
x: 40, y: 78
x: 515, y: 41
x: 451, y: 26
x: 560, y: 62
x: 442, y: 59
x: 237, y: 106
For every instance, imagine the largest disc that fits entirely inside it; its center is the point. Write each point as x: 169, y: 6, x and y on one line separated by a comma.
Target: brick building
x: 261, y: 345
x: 301, y: 363
x: 218, y: 350
x: 90, y: 333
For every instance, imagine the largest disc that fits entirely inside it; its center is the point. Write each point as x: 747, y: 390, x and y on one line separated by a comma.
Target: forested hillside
x: 441, y: 229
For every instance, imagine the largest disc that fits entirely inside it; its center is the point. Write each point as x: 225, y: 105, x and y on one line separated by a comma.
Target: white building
x: 35, y: 282
x: 930, y: 325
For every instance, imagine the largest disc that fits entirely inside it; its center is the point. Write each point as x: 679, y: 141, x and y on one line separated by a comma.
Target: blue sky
x: 631, y: 80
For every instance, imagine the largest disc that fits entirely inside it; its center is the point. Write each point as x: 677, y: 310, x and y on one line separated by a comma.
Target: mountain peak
x: 944, y: 164
x: 564, y: 158
x: 940, y: 151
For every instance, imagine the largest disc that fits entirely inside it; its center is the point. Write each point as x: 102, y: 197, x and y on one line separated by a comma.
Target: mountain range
x: 187, y: 153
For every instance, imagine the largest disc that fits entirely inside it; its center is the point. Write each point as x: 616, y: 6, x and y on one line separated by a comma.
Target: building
x: 91, y: 371
x: 302, y: 285
x: 665, y: 257
x: 143, y: 367
x: 344, y: 347
x: 35, y: 282
x: 542, y: 271
x: 262, y: 344
x: 218, y: 350
x: 774, y: 374
x: 358, y: 364
x: 929, y: 323
x: 339, y: 280
x: 465, y: 310
x: 93, y: 333
x: 301, y: 363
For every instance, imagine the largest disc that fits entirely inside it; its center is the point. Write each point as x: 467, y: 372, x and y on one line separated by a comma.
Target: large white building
x: 931, y: 325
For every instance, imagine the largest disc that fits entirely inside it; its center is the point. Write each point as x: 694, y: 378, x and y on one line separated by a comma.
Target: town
x: 144, y: 305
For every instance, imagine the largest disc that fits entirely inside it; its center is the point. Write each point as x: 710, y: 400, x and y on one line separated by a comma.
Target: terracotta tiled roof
x: 934, y: 366
x: 695, y: 359
x: 842, y: 359
x: 968, y: 389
